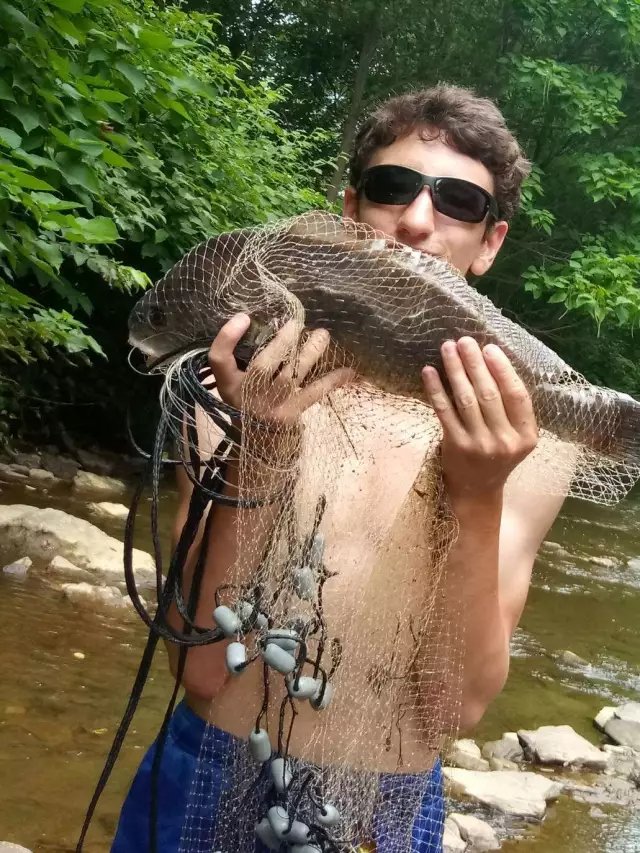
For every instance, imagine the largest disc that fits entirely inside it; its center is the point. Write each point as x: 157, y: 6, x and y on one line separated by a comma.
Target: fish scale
x: 388, y: 309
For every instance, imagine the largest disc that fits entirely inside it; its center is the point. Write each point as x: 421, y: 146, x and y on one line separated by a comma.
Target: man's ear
x: 350, y: 203
x: 493, y: 240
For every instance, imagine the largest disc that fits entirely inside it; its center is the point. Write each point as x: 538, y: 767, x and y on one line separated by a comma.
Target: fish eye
x: 157, y: 317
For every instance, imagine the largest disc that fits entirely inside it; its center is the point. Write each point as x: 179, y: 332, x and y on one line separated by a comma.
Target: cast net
x: 345, y: 635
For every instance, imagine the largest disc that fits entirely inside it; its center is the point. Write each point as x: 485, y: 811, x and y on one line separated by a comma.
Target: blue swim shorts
x: 177, y: 773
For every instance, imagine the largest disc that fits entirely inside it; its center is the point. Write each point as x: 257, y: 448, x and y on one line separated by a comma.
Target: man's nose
x: 417, y: 221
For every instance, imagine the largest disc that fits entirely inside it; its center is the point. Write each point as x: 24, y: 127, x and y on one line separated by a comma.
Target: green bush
x: 126, y: 136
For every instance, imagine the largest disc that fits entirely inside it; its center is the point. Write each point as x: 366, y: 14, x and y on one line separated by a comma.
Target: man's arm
x: 488, y: 428
x: 488, y: 572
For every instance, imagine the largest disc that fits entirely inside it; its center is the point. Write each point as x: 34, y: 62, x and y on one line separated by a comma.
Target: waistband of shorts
x: 188, y: 729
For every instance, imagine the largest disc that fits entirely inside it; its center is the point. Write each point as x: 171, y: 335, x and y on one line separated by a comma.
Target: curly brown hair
x: 472, y: 125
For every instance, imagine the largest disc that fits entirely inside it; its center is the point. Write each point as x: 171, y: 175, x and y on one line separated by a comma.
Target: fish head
x: 186, y: 307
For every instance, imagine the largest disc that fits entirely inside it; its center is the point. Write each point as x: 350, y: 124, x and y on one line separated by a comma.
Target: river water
x: 66, y: 675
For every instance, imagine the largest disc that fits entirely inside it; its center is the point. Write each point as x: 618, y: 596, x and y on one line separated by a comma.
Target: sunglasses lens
x: 460, y: 200
x: 391, y: 185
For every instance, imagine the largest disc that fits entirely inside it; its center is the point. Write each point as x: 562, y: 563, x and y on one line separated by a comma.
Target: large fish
x: 390, y: 307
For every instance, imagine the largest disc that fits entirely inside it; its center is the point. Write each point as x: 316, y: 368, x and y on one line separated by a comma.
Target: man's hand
x: 489, y: 426
x: 275, y: 374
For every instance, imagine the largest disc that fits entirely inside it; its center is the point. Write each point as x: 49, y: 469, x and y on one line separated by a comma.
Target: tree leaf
x: 22, y: 179
x: 154, y: 39
x: 27, y: 117
x: 78, y: 173
x: 101, y: 229
x: 9, y: 138
x: 52, y: 202
x: 68, y: 5
x: 177, y: 107
x: 109, y: 96
x: 135, y: 77
x: 114, y: 159
x: 26, y: 25
x: 69, y: 30
x: 5, y: 92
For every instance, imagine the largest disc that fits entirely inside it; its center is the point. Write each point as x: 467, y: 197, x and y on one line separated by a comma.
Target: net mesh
x: 338, y: 601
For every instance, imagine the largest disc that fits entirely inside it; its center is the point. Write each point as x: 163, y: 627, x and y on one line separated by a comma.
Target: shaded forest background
x: 130, y: 130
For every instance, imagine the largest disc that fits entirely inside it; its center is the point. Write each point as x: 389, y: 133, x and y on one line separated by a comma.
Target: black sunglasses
x: 454, y: 197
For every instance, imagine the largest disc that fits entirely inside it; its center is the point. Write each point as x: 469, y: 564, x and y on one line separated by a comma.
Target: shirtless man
x: 488, y: 428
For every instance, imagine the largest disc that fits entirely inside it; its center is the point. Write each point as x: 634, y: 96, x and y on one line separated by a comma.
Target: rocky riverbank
x: 72, y: 554
x: 499, y: 790
x: 513, y: 780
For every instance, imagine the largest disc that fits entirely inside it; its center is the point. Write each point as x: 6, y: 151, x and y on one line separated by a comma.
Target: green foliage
x: 128, y: 132
x: 569, y: 91
x: 126, y: 137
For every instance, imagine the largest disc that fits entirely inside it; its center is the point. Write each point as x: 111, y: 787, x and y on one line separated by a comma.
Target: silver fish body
x: 389, y: 307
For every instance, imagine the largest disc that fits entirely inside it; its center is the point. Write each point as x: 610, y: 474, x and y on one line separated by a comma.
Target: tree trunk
x: 367, y: 51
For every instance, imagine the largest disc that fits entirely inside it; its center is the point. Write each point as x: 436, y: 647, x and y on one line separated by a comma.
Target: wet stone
x: 19, y: 568
x: 562, y: 745
x: 10, y: 476
x: 63, y: 467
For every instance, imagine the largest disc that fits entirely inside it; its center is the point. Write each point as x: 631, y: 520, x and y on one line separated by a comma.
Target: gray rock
x: 19, y: 568
x: 20, y: 469
x: 60, y: 566
x: 624, y: 732
x: 109, y: 511
x: 554, y: 549
x: 477, y: 833
x: 605, y: 562
x: 507, y: 747
x: 452, y: 841
x: 63, y: 467
x: 496, y: 763
x: 100, y: 598
x: 95, y: 462
x: 568, y: 657
x: 47, y: 533
x: 520, y: 794
x: 466, y: 753
x: 596, y: 813
x: 39, y: 475
x: 29, y: 460
x: 608, y: 790
x: 9, y: 847
x: 562, y: 745
x: 85, y: 482
x: 95, y: 597
x: 9, y: 475
x: 622, y: 761
x: 630, y: 712
x: 603, y: 716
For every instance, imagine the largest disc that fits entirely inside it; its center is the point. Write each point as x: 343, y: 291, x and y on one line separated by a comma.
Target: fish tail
x: 600, y: 420
x: 625, y: 440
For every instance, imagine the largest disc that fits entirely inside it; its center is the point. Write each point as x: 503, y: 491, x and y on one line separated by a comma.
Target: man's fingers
x: 484, y: 387
x: 462, y: 390
x: 311, y: 352
x: 221, y: 354
x: 277, y: 351
x: 439, y: 400
x: 314, y: 392
x: 515, y: 397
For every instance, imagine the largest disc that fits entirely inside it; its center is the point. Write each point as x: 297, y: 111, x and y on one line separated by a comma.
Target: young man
x: 488, y: 428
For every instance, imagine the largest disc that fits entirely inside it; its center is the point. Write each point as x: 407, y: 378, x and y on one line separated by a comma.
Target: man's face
x: 467, y: 246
